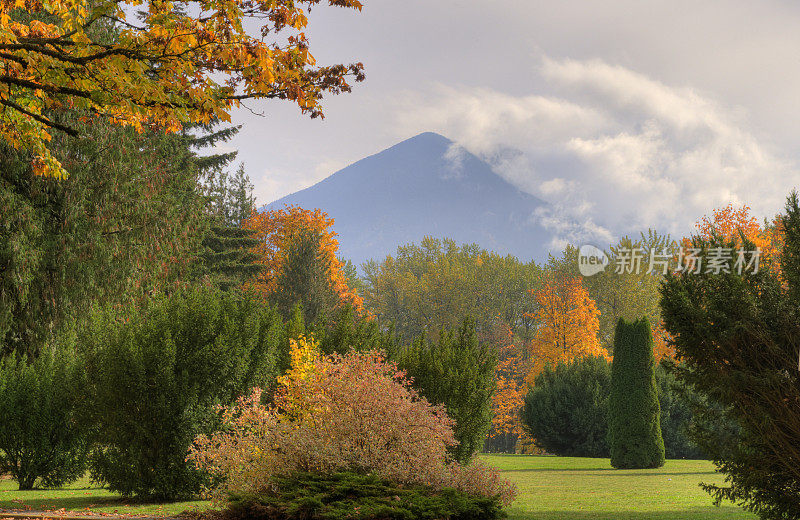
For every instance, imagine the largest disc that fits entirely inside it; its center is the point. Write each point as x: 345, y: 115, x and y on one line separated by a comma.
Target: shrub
x: 566, y: 409
x: 353, y: 412
x: 634, y: 432
x: 41, y: 443
x: 457, y: 372
x: 355, y: 496
x: 154, y: 377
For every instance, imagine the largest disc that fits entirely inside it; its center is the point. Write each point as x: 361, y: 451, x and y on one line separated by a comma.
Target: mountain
x: 424, y: 186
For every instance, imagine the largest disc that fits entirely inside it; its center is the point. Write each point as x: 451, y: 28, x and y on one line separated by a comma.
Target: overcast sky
x: 623, y: 115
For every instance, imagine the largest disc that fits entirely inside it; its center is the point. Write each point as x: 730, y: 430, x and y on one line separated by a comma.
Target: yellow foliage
x: 206, y: 63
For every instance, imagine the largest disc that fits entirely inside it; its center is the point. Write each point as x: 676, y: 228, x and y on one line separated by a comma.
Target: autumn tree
x: 510, y: 389
x: 737, y: 225
x: 629, y: 286
x: 297, y: 254
x: 432, y: 285
x: 178, y: 62
x: 567, y: 320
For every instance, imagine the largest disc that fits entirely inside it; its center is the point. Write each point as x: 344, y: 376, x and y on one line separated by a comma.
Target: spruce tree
x: 634, y: 413
x: 227, y: 259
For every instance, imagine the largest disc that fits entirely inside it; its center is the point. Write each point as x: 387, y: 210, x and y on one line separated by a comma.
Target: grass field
x: 82, y: 495
x: 550, y: 488
x: 566, y: 488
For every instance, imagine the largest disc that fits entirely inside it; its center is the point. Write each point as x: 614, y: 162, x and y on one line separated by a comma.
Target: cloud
x: 614, y: 152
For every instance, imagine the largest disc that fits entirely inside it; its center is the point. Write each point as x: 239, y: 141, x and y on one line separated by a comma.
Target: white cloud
x: 614, y: 151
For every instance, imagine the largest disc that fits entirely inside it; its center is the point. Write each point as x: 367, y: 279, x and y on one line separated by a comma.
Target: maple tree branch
x: 52, y: 124
x: 46, y: 88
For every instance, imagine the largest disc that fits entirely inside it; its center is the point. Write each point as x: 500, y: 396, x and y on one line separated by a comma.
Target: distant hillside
x: 416, y: 188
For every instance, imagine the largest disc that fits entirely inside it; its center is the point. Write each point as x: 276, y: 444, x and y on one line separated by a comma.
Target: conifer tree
x: 226, y: 258
x: 634, y: 413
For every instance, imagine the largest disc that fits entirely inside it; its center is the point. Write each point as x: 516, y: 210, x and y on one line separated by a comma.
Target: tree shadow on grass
x: 69, y: 503
x: 617, y: 472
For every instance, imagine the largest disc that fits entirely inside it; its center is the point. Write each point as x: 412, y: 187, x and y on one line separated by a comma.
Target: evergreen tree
x: 123, y: 226
x: 458, y: 372
x: 737, y: 335
x: 305, y: 279
x: 227, y: 258
x: 634, y: 413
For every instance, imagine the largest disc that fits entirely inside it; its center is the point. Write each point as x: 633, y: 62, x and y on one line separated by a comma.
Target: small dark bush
x: 677, y: 417
x: 355, y: 496
x: 41, y: 443
x: 566, y: 409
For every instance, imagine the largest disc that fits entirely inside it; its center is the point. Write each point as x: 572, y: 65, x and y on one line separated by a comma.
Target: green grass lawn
x: 549, y: 488
x: 82, y: 495
x: 579, y: 488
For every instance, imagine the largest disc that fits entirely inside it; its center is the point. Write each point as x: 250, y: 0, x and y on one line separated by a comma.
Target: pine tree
x: 634, y: 413
x: 226, y: 259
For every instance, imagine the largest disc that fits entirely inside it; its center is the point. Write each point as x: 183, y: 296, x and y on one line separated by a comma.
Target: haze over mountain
x: 424, y: 186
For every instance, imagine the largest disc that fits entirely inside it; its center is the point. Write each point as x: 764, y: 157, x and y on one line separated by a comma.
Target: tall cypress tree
x: 634, y: 431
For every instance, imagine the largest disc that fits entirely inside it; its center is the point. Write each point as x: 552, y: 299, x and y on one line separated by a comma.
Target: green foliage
x: 227, y: 258
x: 41, y: 442
x: 155, y: 376
x: 304, y: 279
x: 124, y: 224
x: 429, y: 287
x: 566, y: 410
x: 634, y: 432
x: 677, y: 405
x: 343, y: 329
x: 354, y: 496
x: 457, y: 372
x: 738, y: 335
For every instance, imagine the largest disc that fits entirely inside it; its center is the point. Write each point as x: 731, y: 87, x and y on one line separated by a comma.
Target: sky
x: 622, y: 115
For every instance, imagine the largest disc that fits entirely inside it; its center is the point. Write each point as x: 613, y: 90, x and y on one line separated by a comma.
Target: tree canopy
x: 178, y: 61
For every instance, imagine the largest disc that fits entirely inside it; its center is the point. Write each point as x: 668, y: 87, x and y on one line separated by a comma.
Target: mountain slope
x: 420, y: 187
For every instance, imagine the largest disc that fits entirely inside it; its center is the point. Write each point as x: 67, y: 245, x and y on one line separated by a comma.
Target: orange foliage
x: 661, y: 346
x: 728, y: 221
x: 207, y: 62
x: 510, y: 382
x: 568, y: 324
x: 277, y: 228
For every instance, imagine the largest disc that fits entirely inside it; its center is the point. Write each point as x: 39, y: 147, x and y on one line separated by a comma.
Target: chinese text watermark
x: 636, y: 260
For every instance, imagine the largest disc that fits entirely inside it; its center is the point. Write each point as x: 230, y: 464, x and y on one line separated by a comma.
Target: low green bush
x: 155, y: 376
x: 41, y: 442
x: 566, y: 410
x: 355, y: 496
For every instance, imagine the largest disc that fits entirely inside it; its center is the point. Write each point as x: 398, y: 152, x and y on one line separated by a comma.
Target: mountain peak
x: 416, y: 188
